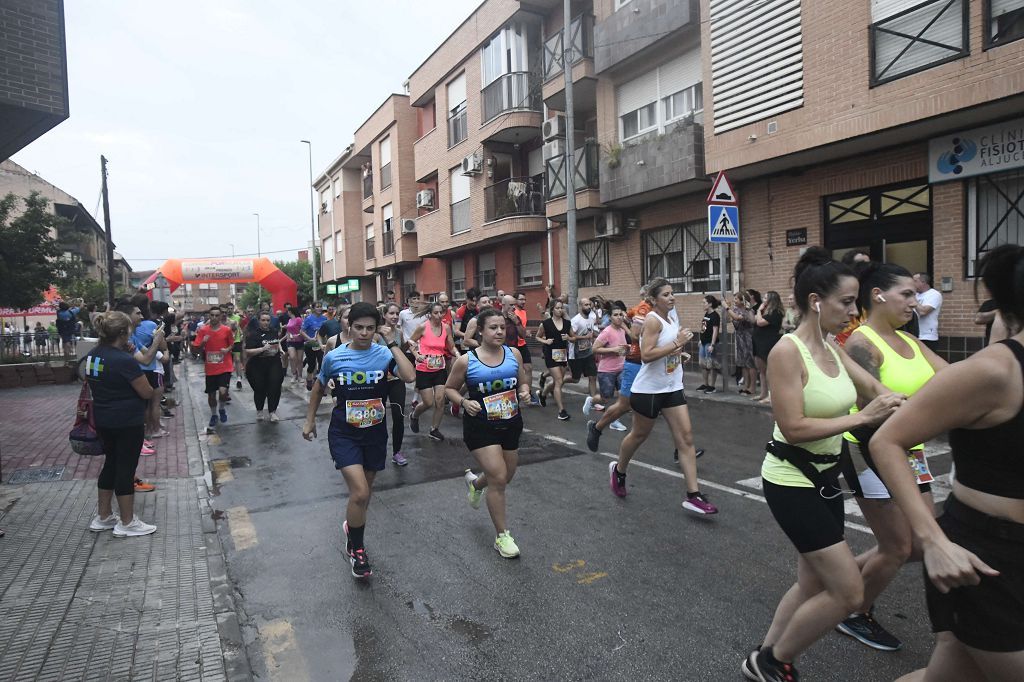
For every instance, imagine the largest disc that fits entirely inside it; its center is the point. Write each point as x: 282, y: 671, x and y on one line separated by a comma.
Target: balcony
x: 655, y: 166
x: 581, y: 57
x: 928, y: 34
x: 510, y: 92
x: 460, y: 217
x: 385, y: 175
x: 367, y: 185
x: 581, y: 46
x: 586, y: 166
x: 626, y: 35
x: 388, y: 243
x: 514, y: 197
x: 369, y: 249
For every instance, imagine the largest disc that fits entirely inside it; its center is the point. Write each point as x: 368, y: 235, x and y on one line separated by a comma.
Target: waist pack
x: 83, y: 437
x: 825, y: 481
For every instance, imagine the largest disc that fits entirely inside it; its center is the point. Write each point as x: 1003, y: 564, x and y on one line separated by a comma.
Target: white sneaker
x: 100, y: 524
x: 134, y: 529
x: 587, y: 404
x: 617, y: 426
x: 274, y: 417
x: 260, y: 416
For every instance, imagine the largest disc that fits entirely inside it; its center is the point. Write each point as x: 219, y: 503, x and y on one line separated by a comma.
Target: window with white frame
x: 457, y: 279
x: 683, y: 255
x: 338, y: 241
x: 660, y: 96
x: 458, y: 186
x: 593, y: 263
x: 325, y: 200
x: 385, y: 162
x: 458, y: 122
x: 619, y: 4
x: 529, y: 265
x: 328, y: 249
x: 506, y: 52
x: 388, y: 215
x: 486, y: 273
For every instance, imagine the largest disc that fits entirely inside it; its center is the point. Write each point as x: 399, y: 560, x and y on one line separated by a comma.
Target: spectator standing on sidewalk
x: 66, y: 323
x: 743, y: 326
x: 929, y: 304
x: 791, y: 320
x: 767, y: 323
x: 120, y: 393
x: 710, y: 328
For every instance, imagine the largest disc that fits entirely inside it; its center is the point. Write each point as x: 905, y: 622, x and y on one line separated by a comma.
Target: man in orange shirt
x: 524, y: 351
x: 217, y: 340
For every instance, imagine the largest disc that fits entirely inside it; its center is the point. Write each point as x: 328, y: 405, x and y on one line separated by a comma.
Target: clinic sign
x: 217, y: 270
x: 980, y: 151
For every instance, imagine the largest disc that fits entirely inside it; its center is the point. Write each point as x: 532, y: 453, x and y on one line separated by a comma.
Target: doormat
x: 35, y: 475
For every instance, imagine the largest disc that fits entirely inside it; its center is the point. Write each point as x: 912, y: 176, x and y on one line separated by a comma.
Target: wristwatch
x: 392, y: 345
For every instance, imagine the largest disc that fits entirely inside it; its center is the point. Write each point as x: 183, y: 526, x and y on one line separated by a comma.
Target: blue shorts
x: 369, y: 448
x: 629, y: 372
x: 608, y: 383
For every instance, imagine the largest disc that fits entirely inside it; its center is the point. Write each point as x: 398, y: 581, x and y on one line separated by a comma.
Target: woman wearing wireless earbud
x: 814, y: 385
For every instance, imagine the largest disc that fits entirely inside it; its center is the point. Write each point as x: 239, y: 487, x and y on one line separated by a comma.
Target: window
x: 328, y: 249
x: 369, y: 242
x: 639, y: 121
x: 619, y: 4
x: 684, y: 256
x: 458, y: 122
x: 529, y: 268
x: 908, y: 36
x: 995, y: 205
x: 337, y: 187
x: 388, y: 215
x: 505, y: 71
x: 385, y: 162
x: 338, y: 241
x: 486, y: 274
x: 387, y: 236
x: 593, y: 261
x: 1004, y: 20
x: 459, y: 188
x: 653, y: 99
x: 684, y: 102
x: 409, y: 279
x: 325, y: 200
x: 457, y: 279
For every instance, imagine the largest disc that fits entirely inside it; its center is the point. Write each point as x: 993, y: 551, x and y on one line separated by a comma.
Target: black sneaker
x: 543, y: 380
x: 414, y: 423
x: 766, y: 669
x: 238, y: 384
x: 710, y: 389
x: 360, y: 564
x: 865, y: 629
x: 542, y: 398
x: 675, y: 454
x: 436, y: 435
x: 563, y: 416
x: 702, y: 387
x: 593, y: 436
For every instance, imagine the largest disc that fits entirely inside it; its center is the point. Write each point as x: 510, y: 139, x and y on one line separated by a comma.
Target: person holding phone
x: 263, y: 369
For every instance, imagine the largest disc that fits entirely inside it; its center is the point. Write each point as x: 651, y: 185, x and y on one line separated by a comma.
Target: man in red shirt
x: 216, y: 339
x: 521, y: 343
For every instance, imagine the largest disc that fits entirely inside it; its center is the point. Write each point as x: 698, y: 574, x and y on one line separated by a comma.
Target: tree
x: 300, y: 271
x: 30, y: 256
x: 86, y: 288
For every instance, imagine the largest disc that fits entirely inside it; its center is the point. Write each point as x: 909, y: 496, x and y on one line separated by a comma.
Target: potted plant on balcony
x: 613, y: 154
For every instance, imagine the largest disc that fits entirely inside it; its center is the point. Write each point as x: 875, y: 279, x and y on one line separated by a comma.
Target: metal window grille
x: 996, y: 209
x: 685, y: 257
x: 593, y: 260
x: 918, y: 38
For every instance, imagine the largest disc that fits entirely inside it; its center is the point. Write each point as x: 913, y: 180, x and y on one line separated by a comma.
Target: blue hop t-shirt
x: 142, y: 338
x: 357, y: 379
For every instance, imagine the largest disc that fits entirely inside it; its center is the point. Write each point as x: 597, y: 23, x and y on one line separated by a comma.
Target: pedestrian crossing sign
x: 723, y: 224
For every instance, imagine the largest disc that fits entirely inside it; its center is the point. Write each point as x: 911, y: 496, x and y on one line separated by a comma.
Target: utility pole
x: 570, y: 157
x: 313, y: 258
x: 110, y: 238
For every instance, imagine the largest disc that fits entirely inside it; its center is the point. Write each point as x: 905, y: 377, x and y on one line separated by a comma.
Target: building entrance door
x: 893, y: 224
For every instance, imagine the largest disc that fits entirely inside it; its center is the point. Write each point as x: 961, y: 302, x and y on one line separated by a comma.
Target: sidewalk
x: 81, y: 605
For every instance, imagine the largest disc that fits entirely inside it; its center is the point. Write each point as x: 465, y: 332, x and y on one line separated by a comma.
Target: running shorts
x: 608, y: 383
x: 629, y: 372
x: 583, y: 367
x: 810, y: 521
x: 650, y: 405
x: 990, y: 615
x: 525, y: 352
x: 218, y: 381
x: 478, y: 433
x: 868, y: 484
x: 155, y: 379
x: 370, y: 450
x: 426, y: 380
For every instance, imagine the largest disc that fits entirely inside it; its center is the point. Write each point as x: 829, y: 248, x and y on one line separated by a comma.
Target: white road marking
x: 556, y: 439
x: 722, y: 488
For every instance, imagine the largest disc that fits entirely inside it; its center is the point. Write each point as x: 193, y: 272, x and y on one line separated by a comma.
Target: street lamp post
x: 312, y: 218
x: 259, y: 254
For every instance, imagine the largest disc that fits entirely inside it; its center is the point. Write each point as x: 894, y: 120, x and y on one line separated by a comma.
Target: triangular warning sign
x: 724, y: 226
x: 721, y: 191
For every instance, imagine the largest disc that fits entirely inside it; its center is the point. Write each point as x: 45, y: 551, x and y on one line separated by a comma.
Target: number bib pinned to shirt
x: 435, y: 362
x: 919, y: 465
x: 215, y: 358
x: 558, y: 355
x: 583, y: 345
x: 672, y: 362
x: 501, y: 406
x: 362, y: 414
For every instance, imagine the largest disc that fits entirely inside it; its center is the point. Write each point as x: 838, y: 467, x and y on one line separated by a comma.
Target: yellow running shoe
x: 474, y: 493
x: 506, y: 546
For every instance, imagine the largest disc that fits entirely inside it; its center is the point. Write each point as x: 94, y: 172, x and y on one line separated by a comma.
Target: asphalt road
x: 606, y: 588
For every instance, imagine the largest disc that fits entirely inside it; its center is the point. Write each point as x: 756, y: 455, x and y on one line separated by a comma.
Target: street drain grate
x: 240, y: 462
x: 36, y: 475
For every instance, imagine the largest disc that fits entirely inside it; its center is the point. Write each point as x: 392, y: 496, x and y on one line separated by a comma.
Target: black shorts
x: 430, y: 379
x: 218, y: 381
x: 524, y: 351
x: 155, y: 379
x: 990, y: 615
x: 237, y: 347
x: 650, y: 405
x: 583, y: 367
x: 478, y: 433
x: 549, y: 363
x: 810, y: 521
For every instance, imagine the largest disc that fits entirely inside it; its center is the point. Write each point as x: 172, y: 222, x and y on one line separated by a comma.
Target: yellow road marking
x: 589, y: 578
x: 572, y: 565
x: 222, y: 470
x: 281, y: 651
x: 243, y: 533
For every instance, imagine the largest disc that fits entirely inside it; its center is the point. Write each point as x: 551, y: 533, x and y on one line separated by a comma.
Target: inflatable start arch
x: 178, y: 271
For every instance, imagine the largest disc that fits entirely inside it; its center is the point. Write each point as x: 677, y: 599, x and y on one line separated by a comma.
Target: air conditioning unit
x: 408, y: 226
x: 425, y: 198
x: 554, y: 148
x: 553, y: 127
x: 472, y: 165
x: 609, y: 226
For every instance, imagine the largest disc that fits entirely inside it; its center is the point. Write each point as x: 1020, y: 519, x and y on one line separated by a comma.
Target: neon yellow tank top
x: 825, y: 397
x: 896, y: 372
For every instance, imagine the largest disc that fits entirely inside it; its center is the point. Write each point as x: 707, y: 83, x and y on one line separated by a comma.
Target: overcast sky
x: 199, y: 107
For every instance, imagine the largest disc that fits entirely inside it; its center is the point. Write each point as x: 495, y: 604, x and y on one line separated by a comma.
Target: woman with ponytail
x: 974, y: 552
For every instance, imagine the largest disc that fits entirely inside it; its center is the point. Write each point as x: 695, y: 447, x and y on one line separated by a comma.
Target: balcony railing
x: 458, y: 127
x: 581, y: 45
x: 369, y: 248
x: 385, y: 175
x: 368, y: 185
x: 586, y: 166
x: 925, y: 35
x: 460, y: 217
x: 515, y: 197
x: 510, y: 92
x: 388, y: 239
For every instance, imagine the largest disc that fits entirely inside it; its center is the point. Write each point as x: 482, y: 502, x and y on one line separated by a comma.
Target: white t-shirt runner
x: 664, y: 375
x: 582, y: 326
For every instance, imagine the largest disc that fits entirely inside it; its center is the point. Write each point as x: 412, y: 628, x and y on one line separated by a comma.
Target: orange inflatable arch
x: 178, y: 271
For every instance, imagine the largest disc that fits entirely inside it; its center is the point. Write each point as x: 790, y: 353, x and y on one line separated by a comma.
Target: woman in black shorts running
x: 974, y: 552
x: 434, y: 343
x: 555, y: 333
x: 497, y: 384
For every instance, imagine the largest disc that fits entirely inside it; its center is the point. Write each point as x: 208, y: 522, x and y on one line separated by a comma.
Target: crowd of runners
x: 854, y: 397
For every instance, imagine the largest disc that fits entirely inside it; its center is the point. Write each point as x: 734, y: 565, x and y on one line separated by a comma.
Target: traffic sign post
x: 724, y: 229
x: 723, y: 224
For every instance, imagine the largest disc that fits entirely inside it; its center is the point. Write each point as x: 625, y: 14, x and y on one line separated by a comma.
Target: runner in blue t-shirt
x: 314, y: 350
x: 355, y: 375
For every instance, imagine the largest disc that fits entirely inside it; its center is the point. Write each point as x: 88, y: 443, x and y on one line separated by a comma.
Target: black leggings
x: 312, y: 360
x: 396, y: 398
x: 265, y: 377
x: 121, y: 448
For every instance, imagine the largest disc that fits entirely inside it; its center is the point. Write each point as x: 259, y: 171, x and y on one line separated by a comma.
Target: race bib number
x: 919, y: 465
x: 435, y: 362
x: 501, y: 406
x: 558, y: 355
x: 583, y: 345
x: 362, y: 414
x: 215, y: 358
x: 671, y: 363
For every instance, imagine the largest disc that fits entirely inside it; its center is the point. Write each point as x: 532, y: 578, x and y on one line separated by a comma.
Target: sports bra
x: 990, y: 460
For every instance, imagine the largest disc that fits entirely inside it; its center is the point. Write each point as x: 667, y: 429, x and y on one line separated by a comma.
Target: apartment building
x: 893, y: 126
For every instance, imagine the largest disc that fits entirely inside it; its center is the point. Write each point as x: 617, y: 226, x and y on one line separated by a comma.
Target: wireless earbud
x: 817, y: 307
x: 880, y: 298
